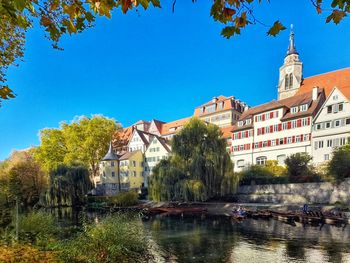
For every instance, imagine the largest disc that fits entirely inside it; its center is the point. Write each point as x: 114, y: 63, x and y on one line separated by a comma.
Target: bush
x: 117, y: 238
x: 122, y: 199
x: 37, y: 228
x: 339, y: 166
x: 25, y: 253
x: 260, y: 174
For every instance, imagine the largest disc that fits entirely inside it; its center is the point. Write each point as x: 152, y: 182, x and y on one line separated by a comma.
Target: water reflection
x: 218, y: 239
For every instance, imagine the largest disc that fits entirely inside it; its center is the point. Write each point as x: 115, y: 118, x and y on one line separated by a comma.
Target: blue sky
x: 157, y: 64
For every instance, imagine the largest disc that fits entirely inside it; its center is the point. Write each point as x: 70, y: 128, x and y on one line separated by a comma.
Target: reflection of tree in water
x: 194, y: 240
x: 295, y: 249
x: 213, y: 239
x: 333, y: 252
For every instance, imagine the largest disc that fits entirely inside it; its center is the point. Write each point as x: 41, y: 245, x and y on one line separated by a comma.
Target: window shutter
x: 269, y: 143
x: 289, y: 125
x: 263, y: 117
x: 271, y: 115
x: 285, y: 140
x: 263, y: 130
x: 293, y: 139
x: 308, y: 120
x: 280, y: 127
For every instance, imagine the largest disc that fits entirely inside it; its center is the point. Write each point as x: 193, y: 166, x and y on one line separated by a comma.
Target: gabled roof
x: 174, y: 124
x: 110, y: 156
x: 296, y: 100
x: 228, y: 104
x: 339, y: 78
x: 226, y: 132
x: 128, y: 155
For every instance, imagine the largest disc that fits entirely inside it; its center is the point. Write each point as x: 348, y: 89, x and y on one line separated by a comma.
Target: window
x: 342, y: 141
x: 290, y: 80
x: 134, y: 173
x: 113, y: 174
x: 294, y: 110
x: 329, y: 109
x: 261, y: 160
x: 112, y: 164
x: 298, y: 138
x: 318, y: 144
x: 240, y: 163
x: 329, y: 143
x: 275, y: 128
x: 326, y: 157
x: 286, y: 83
x: 240, y: 123
x: 289, y: 140
x: 303, y: 107
x: 281, y: 158
x: 335, y: 97
x: 304, y: 122
x: 273, y: 143
x: 281, y: 141
x: 306, y: 137
x: 328, y: 125
x: 210, y: 108
x: 318, y: 126
x: 347, y: 121
x: 284, y: 126
x: 340, y: 107
x: 337, y: 123
x: 294, y: 124
x: 134, y: 163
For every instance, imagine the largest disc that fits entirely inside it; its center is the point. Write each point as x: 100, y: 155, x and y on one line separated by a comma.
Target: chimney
x: 246, y: 107
x: 214, y: 99
x: 314, y: 93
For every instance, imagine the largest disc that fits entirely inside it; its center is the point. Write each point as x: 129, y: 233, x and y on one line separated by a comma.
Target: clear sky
x: 157, y: 64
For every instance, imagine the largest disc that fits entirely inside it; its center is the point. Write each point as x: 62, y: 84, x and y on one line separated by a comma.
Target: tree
x: 27, y: 181
x: 339, y: 165
x: 298, y: 165
x: 84, y: 141
x: 199, y: 169
x: 59, y: 17
x: 68, y: 186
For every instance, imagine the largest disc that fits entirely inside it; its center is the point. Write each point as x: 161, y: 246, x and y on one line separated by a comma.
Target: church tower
x: 291, y: 72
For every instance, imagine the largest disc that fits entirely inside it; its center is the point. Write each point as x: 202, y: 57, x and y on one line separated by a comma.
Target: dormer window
x: 303, y: 107
x: 240, y: 123
x: 294, y: 110
x: 248, y: 121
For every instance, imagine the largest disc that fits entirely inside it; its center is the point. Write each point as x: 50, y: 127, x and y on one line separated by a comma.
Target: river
x: 220, y: 239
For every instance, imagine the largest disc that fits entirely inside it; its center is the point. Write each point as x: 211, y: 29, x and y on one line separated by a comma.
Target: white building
x: 274, y: 130
x: 332, y: 125
x: 157, y: 150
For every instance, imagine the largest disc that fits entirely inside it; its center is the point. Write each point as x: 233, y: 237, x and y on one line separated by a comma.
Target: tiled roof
x: 339, y: 78
x: 174, y: 124
x: 226, y: 132
x: 345, y: 91
x: 127, y: 155
x: 296, y: 100
x: 229, y: 103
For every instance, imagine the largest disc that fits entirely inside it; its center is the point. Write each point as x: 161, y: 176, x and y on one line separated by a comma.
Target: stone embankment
x: 306, y: 193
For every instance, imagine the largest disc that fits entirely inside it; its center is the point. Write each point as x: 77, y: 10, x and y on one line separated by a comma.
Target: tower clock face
x: 289, y: 69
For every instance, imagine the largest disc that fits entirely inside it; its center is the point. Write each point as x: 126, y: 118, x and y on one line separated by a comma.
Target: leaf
x: 6, y: 93
x: 276, y: 28
x: 155, y: 3
x: 45, y: 21
x: 336, y: 16
x: 230, y: 31
x: 144, y: 3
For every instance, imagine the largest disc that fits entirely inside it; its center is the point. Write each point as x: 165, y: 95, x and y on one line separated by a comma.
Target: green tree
x: 339, y: 165
x: 298, y: 165
x: 84, y: 141
x: 59, y: 17
x: 199, y: 168
x: 68, y: 186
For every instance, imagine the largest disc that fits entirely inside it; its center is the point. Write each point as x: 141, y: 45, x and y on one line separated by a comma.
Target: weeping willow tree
x: 68, y: 186
x: 199, y: 169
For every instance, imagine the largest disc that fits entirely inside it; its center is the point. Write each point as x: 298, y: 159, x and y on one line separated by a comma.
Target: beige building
x: 131, y: 166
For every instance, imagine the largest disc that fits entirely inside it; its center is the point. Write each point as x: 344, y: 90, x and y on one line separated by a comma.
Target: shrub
x: 298, y: 164
x: 25, y: 253
x: 260, y: 174
x: 339, y: 166
x: 117, y: 238
x: 37, y: 228
x: 123, y: 199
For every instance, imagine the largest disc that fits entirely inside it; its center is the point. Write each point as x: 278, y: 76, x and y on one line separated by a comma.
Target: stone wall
x: 311, y: 193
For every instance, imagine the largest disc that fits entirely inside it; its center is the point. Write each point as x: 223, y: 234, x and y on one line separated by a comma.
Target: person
x: 305, y: 208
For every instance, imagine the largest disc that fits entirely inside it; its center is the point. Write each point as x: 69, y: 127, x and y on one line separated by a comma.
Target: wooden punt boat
x: 178, y: 210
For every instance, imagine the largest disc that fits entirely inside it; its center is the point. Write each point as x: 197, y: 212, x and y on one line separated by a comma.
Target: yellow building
x: 108, y: 180
x: 131, y: 170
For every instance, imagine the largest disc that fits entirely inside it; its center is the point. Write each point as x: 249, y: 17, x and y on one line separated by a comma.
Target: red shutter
x: 308, y: 120
x: 239, y: 135
x: 299, y: 123
x: 271, y: 129
x: 248, y: 146
x: 276, y: 115
x: 260, y: 144
x: 293, y: 139
x: 246, y: 134
x: 271, y: 115
x: 285, y: 140
x: 263, y: 130
x: 263, y: 117
x: 289, y: 125
x: 280, y: 127
x: 277, y: 141
x: 269, y: 143
x: 256, y: 118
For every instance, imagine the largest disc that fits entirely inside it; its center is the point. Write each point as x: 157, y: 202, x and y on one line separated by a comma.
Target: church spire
x: 110, y: 156
x: 291, y: 47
